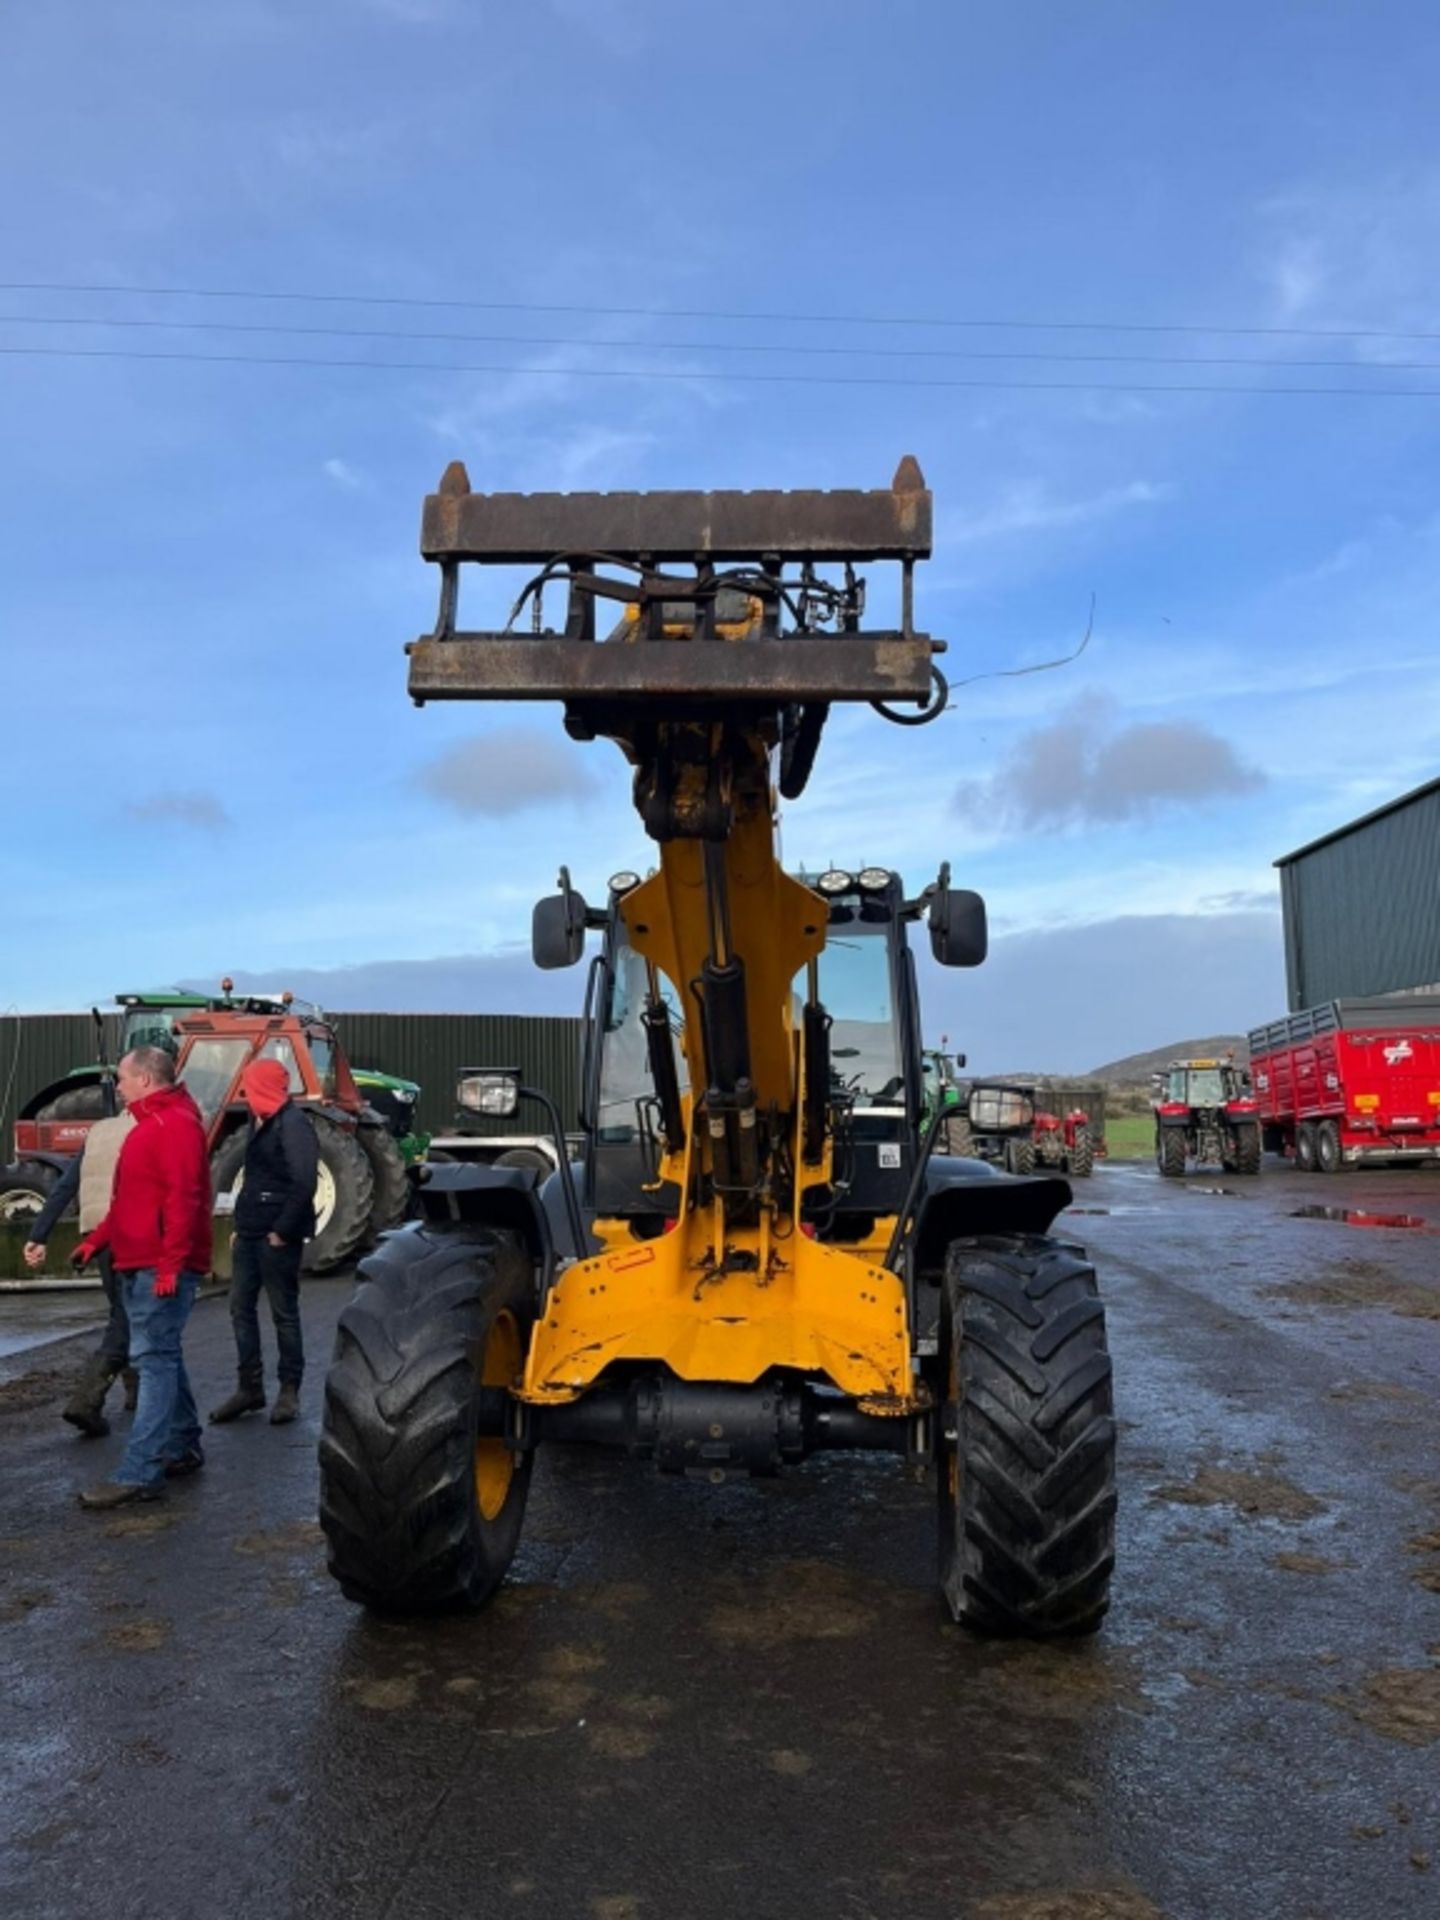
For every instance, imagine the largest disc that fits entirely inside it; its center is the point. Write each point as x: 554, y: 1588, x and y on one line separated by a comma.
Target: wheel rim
x: 20, y: 1203
x: 494, y: 1461
x: 324, y: 1198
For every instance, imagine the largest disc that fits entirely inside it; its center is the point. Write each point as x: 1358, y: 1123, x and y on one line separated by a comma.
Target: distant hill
x: 1136, y: 1068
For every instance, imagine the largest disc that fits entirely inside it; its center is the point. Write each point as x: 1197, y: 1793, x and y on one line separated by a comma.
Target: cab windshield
x: 855, y: 991
x: 209, y: 1072
x: 1206, y: 1089
x: 624, y: 1061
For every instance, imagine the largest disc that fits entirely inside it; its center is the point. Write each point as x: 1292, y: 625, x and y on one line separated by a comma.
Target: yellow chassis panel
x: 806, y: 1306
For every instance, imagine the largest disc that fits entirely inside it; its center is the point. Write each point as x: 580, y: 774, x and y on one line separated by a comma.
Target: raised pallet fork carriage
x: 761, y: 1253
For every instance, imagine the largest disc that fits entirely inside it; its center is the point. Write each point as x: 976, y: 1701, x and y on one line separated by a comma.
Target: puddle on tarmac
x: 1104, y: 1210
x: 1358, y: 1217
x: 1231, y: 1193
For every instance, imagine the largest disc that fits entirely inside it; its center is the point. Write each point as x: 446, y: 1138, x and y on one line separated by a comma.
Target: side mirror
x: 959, y: 936
x: 557, y: 928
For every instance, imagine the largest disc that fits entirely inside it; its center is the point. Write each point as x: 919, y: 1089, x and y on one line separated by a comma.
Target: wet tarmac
x: 694, y: 1702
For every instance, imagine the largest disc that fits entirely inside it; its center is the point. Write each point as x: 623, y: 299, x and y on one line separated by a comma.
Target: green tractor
x: 942, y: 1087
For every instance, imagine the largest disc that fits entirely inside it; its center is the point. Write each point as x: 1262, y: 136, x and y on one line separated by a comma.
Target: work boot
x: 110, y: 1493
x: 287, y: 1405
x: 245, y: 1399
x: 87, y: 1398
x: 132, y: 1388
x: 180, y: 1465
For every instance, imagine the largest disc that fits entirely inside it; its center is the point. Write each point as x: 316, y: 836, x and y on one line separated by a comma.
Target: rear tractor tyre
x: 1020, y: 1157
x: 391, y: 1198
x: 1082, y: 1154
x: 1328, y: 1155
x: 420, y: 1508
x: 1307, y: 1154
x: 344, y: 1197
x: 959, y: 1140
x: 24, y: 1189
x: 1026, y: 1455
x: 80, y: 1103
x: 1170, y: 1152
x: 1247, y: 1147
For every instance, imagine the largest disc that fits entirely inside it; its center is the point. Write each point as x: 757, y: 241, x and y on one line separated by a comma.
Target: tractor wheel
x: 24, y: 1189
x: 1082, y: 1154
x: 1327, y: 1148
x: 344, y: 1198
x: 1026, y: 1453
x: 525, y: 1157
x: 1170, y: 1152
x: 1020, y: 1156
x: 80, y: 1103
x: 392, y: 1184
x: 1307, y: 1156
x: 958, y: 1139
x: 1246, y: 1153
x: 421, y: 1510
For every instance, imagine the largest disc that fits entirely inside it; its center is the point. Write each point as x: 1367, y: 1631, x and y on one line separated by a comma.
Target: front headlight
x: 834, y: 882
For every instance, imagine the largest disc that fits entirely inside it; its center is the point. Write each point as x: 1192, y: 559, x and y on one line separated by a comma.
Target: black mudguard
x: 963, y: 1198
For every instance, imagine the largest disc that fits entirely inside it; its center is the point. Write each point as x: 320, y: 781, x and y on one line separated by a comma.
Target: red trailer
x: 1351, y: 1081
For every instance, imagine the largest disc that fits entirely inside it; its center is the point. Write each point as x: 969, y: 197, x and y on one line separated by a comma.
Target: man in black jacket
x: 274, y: 1217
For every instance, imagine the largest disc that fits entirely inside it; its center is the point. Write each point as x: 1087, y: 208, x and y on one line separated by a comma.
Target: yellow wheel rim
x: 494, y: 1462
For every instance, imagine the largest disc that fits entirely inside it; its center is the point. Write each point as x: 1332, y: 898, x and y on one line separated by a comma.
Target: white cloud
x: 1030, y: 507
x: 343, y: 474
x: 507, y: 772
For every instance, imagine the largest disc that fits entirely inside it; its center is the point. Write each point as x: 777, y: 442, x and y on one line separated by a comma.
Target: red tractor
x: 362, y: 1186
x: 1067, y: 1142
x: 1205, y: 1111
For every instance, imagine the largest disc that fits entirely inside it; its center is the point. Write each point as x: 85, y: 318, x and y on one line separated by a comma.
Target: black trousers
x: 277, y: 1269
x: 114, y: 1348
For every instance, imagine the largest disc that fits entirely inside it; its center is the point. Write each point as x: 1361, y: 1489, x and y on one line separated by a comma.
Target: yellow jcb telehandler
x: 760, y: 1253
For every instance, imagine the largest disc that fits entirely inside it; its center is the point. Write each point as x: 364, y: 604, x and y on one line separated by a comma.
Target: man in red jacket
x: 158, y: 1231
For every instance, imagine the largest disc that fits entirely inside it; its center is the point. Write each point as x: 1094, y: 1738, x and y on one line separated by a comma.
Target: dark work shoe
x: 287, y: 1405
x: 110, y: 1493
x: 191, y: 1461
x: 243, y: 1400
x: 84, y: 1408
x: 132, y: 1388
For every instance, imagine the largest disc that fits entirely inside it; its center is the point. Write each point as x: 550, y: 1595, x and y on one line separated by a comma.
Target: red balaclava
x: 264, y: 1087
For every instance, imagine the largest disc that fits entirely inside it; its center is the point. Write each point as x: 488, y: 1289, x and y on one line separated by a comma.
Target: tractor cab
x: 1205, y: 1112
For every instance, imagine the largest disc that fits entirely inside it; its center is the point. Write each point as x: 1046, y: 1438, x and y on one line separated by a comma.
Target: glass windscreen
x: 1206, y: 1089
x: 209, y: 1072
x: 624, y: 1061
x: 855, y: 991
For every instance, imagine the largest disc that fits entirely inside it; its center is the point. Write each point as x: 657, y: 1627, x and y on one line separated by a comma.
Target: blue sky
x: 207, y: 572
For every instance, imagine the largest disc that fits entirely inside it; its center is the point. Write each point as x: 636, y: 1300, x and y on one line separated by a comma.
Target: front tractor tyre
x: 78, y: 1103
x: 1170, y: 1152
x: 1026, y: 1448
x: 421, y: 1500
x: 1020, y: 1157
x: 390, y: 1197
x: 1082, y: 1154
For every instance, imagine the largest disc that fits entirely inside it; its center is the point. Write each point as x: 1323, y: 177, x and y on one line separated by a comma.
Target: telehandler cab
x: 761, y: 1254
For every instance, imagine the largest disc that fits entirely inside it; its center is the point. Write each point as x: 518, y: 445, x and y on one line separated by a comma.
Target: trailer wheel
x: 1170, y: 1151
x: 1082, y: 1154
x: 1307, y: 1156
x: 1026, y: 1447
x: 1327, y: 1148
x: 1020, y: 1156
x: 420, y: 1504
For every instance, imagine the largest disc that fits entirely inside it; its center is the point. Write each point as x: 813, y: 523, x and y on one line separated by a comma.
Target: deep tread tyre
x: 1082, y: 1154
x: 959, y: 1140
x: 1307, y: 1156
x: 24, y: 1189
x: 530, y: 1157
x: 1247, y: 1147
x: 346, y: 1232
x: 79, y: 1103
x: 1027, y: 1486
x: 1020, y: 1156
x: 403, y: 1499
x: 391, y: 1197
x: 1170, y: 1152
x: 1328, y: 1156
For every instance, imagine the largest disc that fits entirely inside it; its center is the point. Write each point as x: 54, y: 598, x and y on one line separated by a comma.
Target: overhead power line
x: 712, y: 313
x: 1253, y: 389
x: 804, y: 351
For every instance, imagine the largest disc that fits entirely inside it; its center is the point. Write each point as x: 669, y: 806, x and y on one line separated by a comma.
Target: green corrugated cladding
x: 36, y: 1049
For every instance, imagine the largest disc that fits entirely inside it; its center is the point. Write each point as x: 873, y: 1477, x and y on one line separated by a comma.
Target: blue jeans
x: 277, y: 1269
x: 166, y: 1424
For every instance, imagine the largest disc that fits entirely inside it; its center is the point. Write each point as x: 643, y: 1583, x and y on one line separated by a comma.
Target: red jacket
x: 160, y: 1205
